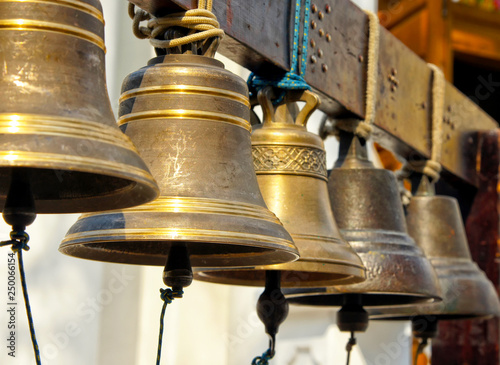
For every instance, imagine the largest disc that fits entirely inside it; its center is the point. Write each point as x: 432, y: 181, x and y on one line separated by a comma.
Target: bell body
x: 436, y: 224
x: 290, y: 163
x: 366, y: 203
x: 189, y: 119
x: 56, y: 121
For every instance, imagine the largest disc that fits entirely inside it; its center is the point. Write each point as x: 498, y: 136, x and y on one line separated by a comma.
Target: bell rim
x: 351, y: 275
x: 95, y: 253
x: 140, y: 187
x: 336, y: 299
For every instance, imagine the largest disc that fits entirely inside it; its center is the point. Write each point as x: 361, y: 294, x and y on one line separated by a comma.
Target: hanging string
x: 420, y: 350
x: 19, y: 242
x: 201, y: 24
x: 293, y: 79
x: 264, y: 359
x: 364, y: 127
x: 167, y: 295
x: 350, y: 344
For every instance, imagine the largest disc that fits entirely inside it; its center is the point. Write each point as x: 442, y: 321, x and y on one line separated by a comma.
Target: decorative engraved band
x: 38, y: 25
x: 289, y: 160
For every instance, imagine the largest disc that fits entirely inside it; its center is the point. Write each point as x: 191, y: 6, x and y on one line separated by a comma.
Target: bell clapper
x: 352, y: 318
x: 177, y: 275
x: 19, y: 212
x: 272, y: 309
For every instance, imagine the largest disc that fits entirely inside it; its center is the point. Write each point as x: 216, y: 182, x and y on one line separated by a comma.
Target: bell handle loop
x: 264, y: 98
x: 312, y: 102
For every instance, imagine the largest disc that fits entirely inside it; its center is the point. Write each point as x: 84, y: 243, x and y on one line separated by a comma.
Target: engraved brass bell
x: 189, y: 118
x: 366, y: 203
x: 290, y: 163
x: 436, y: 225
x: 56, y: 122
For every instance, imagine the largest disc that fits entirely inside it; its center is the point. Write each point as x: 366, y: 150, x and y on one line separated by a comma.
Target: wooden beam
x: 258, y: 37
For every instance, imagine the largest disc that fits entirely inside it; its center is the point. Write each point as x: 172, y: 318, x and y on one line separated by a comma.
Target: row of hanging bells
x: 189, y: 120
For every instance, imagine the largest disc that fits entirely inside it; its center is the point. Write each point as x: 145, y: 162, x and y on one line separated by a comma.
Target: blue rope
x: 19, y: 242
x: 293, y: 79
x: 167, y: 295
x: 264, y: 359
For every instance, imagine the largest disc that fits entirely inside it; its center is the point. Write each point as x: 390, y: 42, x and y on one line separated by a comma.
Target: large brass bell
x: 58, y: 135
x: 366, y: 203
x: 290, y: 163
x: 189, y: 118
x: 436, y: 224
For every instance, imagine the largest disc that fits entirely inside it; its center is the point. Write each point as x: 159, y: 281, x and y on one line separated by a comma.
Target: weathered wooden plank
x: 258, y: 37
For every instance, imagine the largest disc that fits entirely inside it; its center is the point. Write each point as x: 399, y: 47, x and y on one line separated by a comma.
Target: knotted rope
x: 263, y: 359
x: 350, y: 344
x: 167, y: 295
x: 364, y: 127
x: 200, y: 24
x: 432, y: 166
x: 293, y: 79
x: 19, y: 242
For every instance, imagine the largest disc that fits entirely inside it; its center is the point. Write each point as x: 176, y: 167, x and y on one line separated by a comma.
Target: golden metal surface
x: 75, y: 4
x: 56, y: 121
x: 183, y: 90
x: 40, y: 25
x: 185, y: 114
x: 199, y: 153
x: 291, y: 170
x: 369, y: 213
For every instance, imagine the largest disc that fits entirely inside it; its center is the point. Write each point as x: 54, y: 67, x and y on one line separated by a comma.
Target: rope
x: 167, y: 295
x: 350, y: 344
x: 201, y: 24
x: 19, y: 242
x: 432, y: 166
x: 264, y: 359
x: 364, y: 127
x: 420, y: 350
x: 293, y: 79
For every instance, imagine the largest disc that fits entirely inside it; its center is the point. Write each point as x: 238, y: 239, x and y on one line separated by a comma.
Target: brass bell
x: 189, y: 118
x: 366, y: 203
x: 436, y: 224
x: 290, y: 163
x: 56, y: 122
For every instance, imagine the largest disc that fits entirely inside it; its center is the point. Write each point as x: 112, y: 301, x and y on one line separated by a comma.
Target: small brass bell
x: 290, y: 163
x: 366, y: 203
x: 189, y: 118
x: 56, y: 122
x: 436, y: 224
